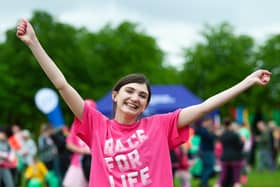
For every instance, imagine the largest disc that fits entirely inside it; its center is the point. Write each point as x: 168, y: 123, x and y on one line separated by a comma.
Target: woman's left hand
x: 260, y: 77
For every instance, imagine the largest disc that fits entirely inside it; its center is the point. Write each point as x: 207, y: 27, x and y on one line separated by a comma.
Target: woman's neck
x: 125, y: 119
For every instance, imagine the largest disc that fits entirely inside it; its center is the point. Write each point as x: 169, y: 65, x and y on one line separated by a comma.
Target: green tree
x: 23, y: 76
x: 268, y: 57
x: 219, y: 62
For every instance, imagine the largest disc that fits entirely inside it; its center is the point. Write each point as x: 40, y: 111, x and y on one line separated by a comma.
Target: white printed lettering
x: 145, y: 177
x: 132, y: 178
x: 131, y: 143
x: 129, y: 179
x: 111, y: 179
x: 109, y: 146
x: 109, y: 162
x: 134, y: 158
x: 112, y: 146
x: 141, y: 135
x: 123, y: 181
x: 122, y: 162
x: 119, y: 146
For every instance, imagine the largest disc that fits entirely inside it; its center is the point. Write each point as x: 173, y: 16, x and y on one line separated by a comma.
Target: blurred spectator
x: 232, y: 157
x: 274, y: 142
x: 47, y: 149
x: 6, y: 161
x: 255, y: 133
x: 75, y: 170
x: 36, y: 170
x: 59, y: 138
x: 246, y: 137
x: 277, y: 144
x: 181, y: 164
x: 28, y: 148
x: 264, y: 156
x: 16, y: 139
x: 208, y: 138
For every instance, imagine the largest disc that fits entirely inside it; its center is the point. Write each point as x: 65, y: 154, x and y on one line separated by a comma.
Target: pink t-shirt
x: 130, y: 155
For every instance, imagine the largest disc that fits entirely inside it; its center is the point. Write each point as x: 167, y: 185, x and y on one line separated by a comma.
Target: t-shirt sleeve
x: 176, y: 136
x: 90, y: 125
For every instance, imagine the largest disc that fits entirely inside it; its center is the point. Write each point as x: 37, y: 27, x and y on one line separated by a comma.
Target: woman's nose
x: 134, y: 97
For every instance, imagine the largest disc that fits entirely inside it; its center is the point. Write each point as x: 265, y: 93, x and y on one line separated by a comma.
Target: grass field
x: 264, y: 179
x: 255, y: 179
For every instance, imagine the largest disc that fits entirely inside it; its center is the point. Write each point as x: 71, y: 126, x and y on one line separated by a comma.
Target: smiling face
x: 129, y: 86
x: 131, y: 100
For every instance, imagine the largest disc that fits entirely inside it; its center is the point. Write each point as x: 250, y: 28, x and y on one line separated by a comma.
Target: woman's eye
x: 129, y: 91
x: 143, y: 96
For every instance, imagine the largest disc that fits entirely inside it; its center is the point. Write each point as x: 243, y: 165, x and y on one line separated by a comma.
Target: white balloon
x: 46, y: 100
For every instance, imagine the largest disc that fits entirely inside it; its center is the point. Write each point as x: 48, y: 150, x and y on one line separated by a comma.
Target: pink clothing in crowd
x: 74, y: 139
x: 130, y: 155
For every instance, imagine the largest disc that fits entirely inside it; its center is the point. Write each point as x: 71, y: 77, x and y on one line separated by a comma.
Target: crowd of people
x: 228, y: 150
x: 225, y: 150
x: 53, y: 160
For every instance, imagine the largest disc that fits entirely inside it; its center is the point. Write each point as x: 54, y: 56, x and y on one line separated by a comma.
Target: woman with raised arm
x: 128, y: 151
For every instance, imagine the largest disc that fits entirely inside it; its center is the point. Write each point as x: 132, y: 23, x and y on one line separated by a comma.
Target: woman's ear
x: 114, y: 96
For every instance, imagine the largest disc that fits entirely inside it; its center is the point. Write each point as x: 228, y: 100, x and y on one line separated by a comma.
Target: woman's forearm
x: 47, y: 64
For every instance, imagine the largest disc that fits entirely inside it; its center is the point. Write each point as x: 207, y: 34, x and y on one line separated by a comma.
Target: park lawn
x: 264, y: 179
x: 255, y: 179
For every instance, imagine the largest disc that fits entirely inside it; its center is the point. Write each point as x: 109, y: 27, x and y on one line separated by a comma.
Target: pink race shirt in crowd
x: 134, y: 155
x: 74, y: 139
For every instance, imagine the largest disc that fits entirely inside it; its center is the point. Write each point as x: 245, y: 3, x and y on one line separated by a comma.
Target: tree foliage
x: 222, y: 60
x: 268, y: 57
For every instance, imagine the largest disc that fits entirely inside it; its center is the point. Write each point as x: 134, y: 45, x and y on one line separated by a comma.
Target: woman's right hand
x: 25, y: 32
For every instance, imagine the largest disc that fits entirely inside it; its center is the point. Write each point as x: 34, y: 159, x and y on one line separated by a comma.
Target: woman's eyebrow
x: 141, y: 92
x: 130, y: 88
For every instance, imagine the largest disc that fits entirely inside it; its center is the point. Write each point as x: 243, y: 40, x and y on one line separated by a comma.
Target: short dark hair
x: 227, y: 121
x: 131, y: 78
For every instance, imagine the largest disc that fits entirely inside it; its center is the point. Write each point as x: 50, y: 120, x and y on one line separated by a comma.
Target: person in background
x: 247, y: 139
x: 28, y: 148
x: 15, y: 140
x: 128, y: 150
x: 48, y: 151
x: 232, y: 156
x: 181, y: 165
x: 208, y: 138
x: 7, y: 157
x: 255, y: 133
x: 47, y: 148
x: 36, y: 170
x: 264, y: 156
x: 274, y: 142
x: 59, y: 136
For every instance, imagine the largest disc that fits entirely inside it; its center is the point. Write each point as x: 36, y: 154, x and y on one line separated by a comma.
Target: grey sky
x: 174, y: 23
